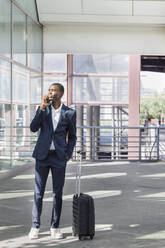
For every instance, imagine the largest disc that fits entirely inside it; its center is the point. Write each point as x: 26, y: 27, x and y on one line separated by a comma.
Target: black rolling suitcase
x: 83, y: 222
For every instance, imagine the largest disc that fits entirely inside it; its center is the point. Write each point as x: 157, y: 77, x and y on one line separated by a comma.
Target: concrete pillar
x: 96, y: 122
x: 89, y: 133
x: 134, y: 106
x: 79, y: 143
x: 69, y: 79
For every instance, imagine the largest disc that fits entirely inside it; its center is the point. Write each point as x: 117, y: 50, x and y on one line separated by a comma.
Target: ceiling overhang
x: 102, y: 11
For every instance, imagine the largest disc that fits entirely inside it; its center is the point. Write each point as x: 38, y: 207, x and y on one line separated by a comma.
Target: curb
x: 15, y: 171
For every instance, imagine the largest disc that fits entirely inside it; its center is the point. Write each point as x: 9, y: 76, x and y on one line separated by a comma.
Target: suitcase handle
x: 78, y: 173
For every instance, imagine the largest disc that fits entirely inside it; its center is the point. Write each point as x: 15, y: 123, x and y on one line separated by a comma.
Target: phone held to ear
x: 48, y: 100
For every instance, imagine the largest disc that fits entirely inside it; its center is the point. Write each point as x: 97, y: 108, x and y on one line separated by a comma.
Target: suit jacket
x: 66, y: 125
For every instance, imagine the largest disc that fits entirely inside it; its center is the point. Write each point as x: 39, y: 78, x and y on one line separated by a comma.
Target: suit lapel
x: 61, y: 116
x: 50, y: 117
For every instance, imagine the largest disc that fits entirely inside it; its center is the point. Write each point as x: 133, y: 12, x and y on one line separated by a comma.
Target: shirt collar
x: 57, y: 110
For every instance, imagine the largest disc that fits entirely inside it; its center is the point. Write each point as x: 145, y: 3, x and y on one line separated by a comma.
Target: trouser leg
x: 41, y: 175
x: 58, y: 178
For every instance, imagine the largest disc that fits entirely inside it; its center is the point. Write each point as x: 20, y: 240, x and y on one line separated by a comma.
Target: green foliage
x: 153, y: 106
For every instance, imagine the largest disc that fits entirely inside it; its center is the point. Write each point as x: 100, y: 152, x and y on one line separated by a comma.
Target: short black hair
x: 60, y: 86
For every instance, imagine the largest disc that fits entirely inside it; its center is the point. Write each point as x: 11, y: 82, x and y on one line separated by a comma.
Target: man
x: 54, y: 147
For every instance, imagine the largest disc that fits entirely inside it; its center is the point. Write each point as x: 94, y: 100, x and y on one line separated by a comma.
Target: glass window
x: 55, y: 63
x: 19, y: 35
x: 21, y: 152
x: 100, y: 64
x: 30, y: 7
x: 35, y: 82
x: 5, y: 80
x: 5, y: 28
x: 100, y: 90
x: 5, y: 115
x: 33, y: 109
x: 20, y: 85
x: 34, y: 45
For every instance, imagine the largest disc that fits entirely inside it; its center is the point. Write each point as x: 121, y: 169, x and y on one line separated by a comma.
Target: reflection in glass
x: 5, y: 28
x: 5, y: 136
x: 15, y: 139
x: 21, y: 135
x: 30, y: 7
x: 19, y: 122
x: 55, y: 63
x: 19, y: 35
x: 35, y: 82
x: 33, y: 108
x: 5, y: 79
x: 34, y: 45
x: 5, y: 115
x: 101, y: 64
x: 20, y: 84
x: 33, y: 136
x: 100, y: 90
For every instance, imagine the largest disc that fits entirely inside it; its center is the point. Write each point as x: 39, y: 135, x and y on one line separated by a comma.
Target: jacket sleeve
x: 71, y: 135
x: 37, y: 121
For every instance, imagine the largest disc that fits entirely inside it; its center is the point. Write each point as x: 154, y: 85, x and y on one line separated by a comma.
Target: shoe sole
x: 33, y: 237
x: 56, y: 238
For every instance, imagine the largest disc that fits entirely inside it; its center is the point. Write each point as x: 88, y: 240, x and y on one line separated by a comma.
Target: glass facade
x: 100, y: 64
x: 5, y: 115
x: 19, y: 35
x: 34, y: 44
x: 5, y: 28
x: 20, y: 80
x: 55, y: 70
x: 101, y: 79
x: 55, y: 63
x: 30, y: 7
x: 100, y: 90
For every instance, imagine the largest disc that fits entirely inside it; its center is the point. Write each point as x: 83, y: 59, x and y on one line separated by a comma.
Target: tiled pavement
x: 129, y: 205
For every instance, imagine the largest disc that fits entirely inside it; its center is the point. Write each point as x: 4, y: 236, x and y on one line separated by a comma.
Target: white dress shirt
x: 55, y: 120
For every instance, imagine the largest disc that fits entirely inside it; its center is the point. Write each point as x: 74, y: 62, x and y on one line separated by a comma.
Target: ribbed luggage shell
x: 83, y: 216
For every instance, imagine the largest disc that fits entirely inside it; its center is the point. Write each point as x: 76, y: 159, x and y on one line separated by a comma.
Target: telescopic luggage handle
x: 78, y: 173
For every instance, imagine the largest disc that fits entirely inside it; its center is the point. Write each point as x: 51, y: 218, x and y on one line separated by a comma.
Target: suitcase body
x: 83, y: 210
x: 83, y: 216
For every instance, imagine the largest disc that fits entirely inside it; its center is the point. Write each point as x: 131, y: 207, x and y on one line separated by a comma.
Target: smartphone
x: 48, y: 100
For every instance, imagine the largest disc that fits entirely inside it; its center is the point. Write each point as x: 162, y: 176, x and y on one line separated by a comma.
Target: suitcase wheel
x: 73, y: 234
x: 91, y: 237
x: 81, y: 237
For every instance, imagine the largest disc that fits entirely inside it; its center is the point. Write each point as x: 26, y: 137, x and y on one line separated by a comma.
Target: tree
x: 153, y: 106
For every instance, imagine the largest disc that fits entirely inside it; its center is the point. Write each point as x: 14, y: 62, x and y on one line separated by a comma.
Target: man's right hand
x: 45, y: 102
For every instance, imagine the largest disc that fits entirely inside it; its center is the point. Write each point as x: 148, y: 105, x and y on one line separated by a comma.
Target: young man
x: 54, y: 147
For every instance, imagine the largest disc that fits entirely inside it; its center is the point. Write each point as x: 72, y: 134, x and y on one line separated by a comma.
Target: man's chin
x: 54, y: 100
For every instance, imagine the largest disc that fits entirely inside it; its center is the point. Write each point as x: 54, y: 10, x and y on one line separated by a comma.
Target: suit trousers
x: 42, y: 168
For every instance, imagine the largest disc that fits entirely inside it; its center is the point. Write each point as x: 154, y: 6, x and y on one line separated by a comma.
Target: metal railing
x: 120, y: 143
x: 96, y: 143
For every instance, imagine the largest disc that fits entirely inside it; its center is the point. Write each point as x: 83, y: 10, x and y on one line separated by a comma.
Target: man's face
x: 54, y: 93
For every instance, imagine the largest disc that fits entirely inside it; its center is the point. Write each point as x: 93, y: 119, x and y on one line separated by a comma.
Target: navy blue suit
x: 64, y: 139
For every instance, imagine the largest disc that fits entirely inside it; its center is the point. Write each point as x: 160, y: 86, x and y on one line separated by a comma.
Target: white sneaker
x: 55, y: 233
x: 33, y: 234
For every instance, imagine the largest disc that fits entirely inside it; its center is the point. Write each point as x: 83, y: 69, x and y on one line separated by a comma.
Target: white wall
x: 104, y: 39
